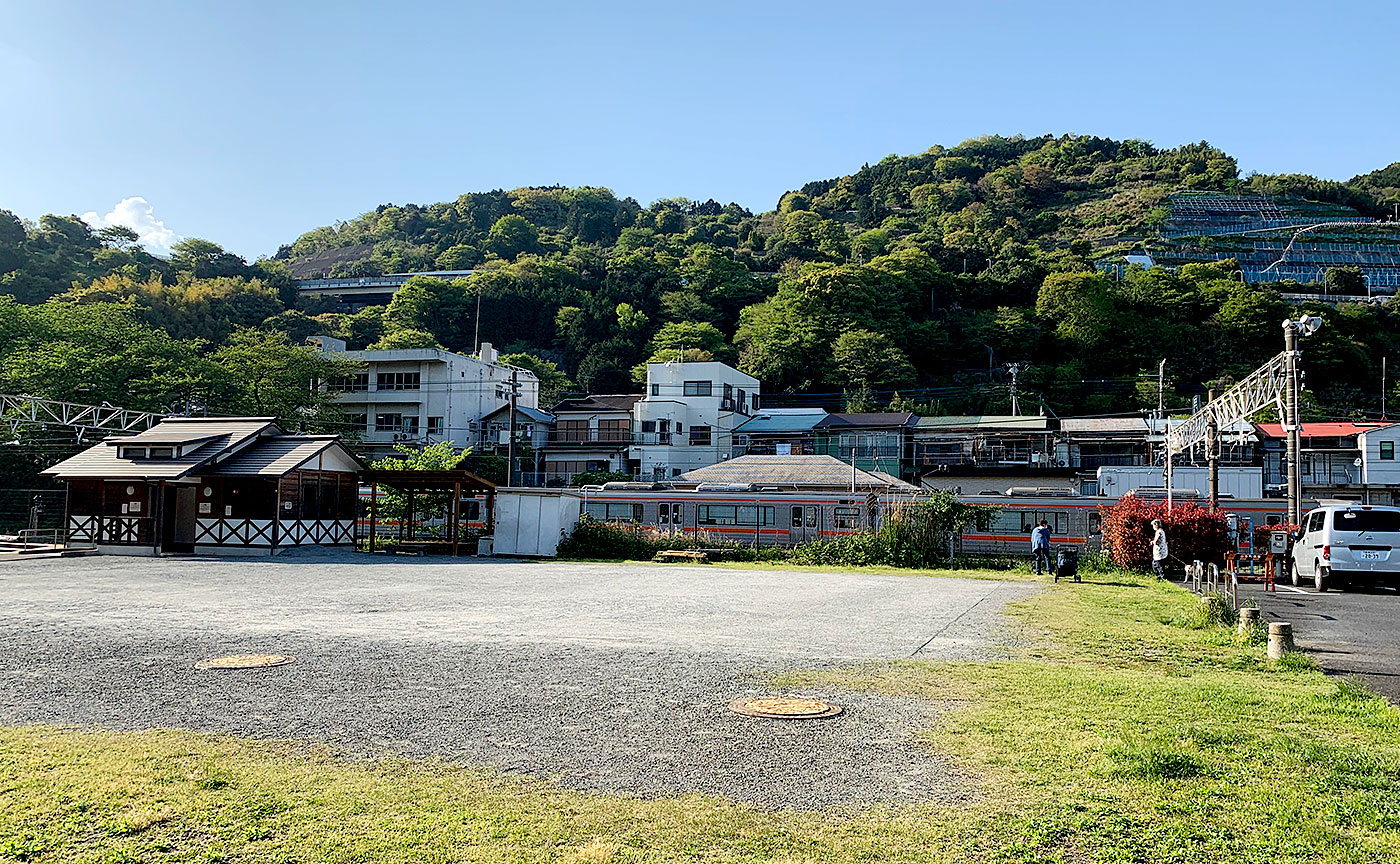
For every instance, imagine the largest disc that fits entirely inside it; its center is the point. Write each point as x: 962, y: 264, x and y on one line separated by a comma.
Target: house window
x: 699, y: 436
x: 131, y: 452
x: 614, y: 430
x: 754, y: 398
x: 648, y: 425
x: 699, y: 388
x: 397, y: 381
x: 656, y: 389
x: 728, y: 393
x: 435, y: 425
x: 395, y: 423
x: 741, y: 404
x: 349, y: 383
x: 356, y: 422
x: 572, y: 430
x: 1388, y: 450
x: 162, y: 453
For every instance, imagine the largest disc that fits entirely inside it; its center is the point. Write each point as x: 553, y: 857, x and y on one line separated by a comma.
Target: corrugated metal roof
x: 276, y: 456
x: 790, y: 420
x: 1320, y: 430
x: 793, y: 472
x: 1122, y: 425
x: 1022, y: 423
x: 883, y: 420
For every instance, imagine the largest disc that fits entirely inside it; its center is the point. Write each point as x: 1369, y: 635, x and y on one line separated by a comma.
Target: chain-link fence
x: 30, y: 508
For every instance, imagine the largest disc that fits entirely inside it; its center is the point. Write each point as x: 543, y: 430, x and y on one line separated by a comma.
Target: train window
x: 676, y: 514
x: 732, y: 514
x: 1095, y: 523
x: 663, y: 514
x: 847, y: 517
x: 472, y: 510
x: 811, y: 517
x: 1011, y: 521
x: 797, y: 517
x: 615, y: 512
x: 1273, y: 519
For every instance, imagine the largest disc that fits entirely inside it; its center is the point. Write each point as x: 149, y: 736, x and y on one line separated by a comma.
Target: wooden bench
x: 672, y: 555
x: 411, y: 549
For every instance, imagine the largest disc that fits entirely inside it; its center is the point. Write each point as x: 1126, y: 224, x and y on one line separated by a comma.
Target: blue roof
x: 774, y: 420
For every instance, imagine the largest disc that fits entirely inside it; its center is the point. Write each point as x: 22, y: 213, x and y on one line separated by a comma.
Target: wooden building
x: 222, y: 485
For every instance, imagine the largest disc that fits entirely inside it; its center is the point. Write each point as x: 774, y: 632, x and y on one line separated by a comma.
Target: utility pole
x: 510, y: 442
x: 1290, y: 420
x: 1015, y: 370
x: 1383, y: 393
x: 1161, y: 388
x: 476, y: 339
x: 1212, y: 448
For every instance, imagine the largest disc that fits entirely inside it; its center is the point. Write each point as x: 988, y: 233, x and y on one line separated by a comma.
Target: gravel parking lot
x: 602, y: 677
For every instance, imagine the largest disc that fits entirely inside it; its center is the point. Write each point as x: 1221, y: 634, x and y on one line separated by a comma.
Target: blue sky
x: 248, y: 123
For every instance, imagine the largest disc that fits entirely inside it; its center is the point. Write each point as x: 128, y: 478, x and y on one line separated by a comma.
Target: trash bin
x: 1067, y: 563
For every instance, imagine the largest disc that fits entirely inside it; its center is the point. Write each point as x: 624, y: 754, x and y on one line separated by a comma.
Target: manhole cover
x: 244, y: 661
x: 784, y: 707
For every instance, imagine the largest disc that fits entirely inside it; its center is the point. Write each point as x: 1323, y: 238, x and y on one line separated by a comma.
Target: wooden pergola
x: 452, y: 483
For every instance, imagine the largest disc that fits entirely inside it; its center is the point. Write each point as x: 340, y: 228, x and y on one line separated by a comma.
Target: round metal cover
x: 784, y: 707
x: 244, y: 661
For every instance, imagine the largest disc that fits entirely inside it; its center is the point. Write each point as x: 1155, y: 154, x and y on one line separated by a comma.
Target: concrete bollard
x: 1280, y: 639
x: 1249, y: 619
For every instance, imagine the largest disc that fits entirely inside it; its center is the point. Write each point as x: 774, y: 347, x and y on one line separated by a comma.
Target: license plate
x: 1369, y: 555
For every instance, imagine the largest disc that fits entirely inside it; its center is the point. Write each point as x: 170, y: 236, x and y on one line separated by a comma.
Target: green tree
x: 512, y: 236
x: 263, y: 374
x: 870, y: 361
x: 554, y: 384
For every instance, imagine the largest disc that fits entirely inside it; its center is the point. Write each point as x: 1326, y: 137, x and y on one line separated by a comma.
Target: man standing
x: 1040, y: 546
x: 1159, y: 549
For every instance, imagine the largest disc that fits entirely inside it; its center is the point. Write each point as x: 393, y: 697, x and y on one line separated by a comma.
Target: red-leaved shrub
x: 1194, y: 533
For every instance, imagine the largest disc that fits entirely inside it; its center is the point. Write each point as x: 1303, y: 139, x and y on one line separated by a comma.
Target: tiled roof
x: 790, y: 472
x: 232, y: 445
x: 276, y: 456
x: 222, y: 436
x: 598, y: 403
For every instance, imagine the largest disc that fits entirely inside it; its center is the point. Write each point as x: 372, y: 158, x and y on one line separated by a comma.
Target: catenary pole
x: 1290, y: 421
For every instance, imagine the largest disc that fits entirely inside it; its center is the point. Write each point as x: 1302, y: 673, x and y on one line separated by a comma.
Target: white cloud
x: 137, y: 214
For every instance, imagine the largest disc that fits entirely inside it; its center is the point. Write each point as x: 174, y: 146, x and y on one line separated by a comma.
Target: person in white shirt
x: 1159, y: 549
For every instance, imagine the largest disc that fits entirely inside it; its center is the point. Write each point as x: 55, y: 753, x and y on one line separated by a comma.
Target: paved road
x: 611, y: 678
x: 1348, y: 632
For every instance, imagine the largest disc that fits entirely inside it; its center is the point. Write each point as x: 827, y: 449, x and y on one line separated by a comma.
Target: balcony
x: 590, y: 437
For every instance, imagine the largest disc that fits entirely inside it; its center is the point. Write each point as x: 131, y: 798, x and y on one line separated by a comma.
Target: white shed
x: 531, y: 522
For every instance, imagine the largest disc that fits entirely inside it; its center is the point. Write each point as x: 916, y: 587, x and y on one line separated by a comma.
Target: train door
x: 668, y: 517
x: 802, y: 522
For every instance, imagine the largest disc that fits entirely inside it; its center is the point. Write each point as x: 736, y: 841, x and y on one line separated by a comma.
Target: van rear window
x: 1366, y: 520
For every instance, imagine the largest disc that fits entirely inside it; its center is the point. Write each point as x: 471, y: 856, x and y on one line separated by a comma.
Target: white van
x: 1345, y: 544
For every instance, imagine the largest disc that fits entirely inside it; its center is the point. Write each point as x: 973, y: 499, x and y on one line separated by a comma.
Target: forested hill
x: 919, y: 276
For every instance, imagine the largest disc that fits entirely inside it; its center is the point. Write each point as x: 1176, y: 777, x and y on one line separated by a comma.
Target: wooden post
x: 373, y: 512
x: 407, y: 523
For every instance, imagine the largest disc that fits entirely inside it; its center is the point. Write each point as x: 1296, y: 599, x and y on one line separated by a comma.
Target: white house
x: 424, y: 395
x: 687, y: 417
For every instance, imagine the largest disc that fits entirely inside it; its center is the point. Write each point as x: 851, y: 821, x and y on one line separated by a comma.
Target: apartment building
x: 688, y: 416
x: 421, y: 396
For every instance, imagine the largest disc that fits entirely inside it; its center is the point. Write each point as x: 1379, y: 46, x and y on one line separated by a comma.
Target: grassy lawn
x: 1135, y: 730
